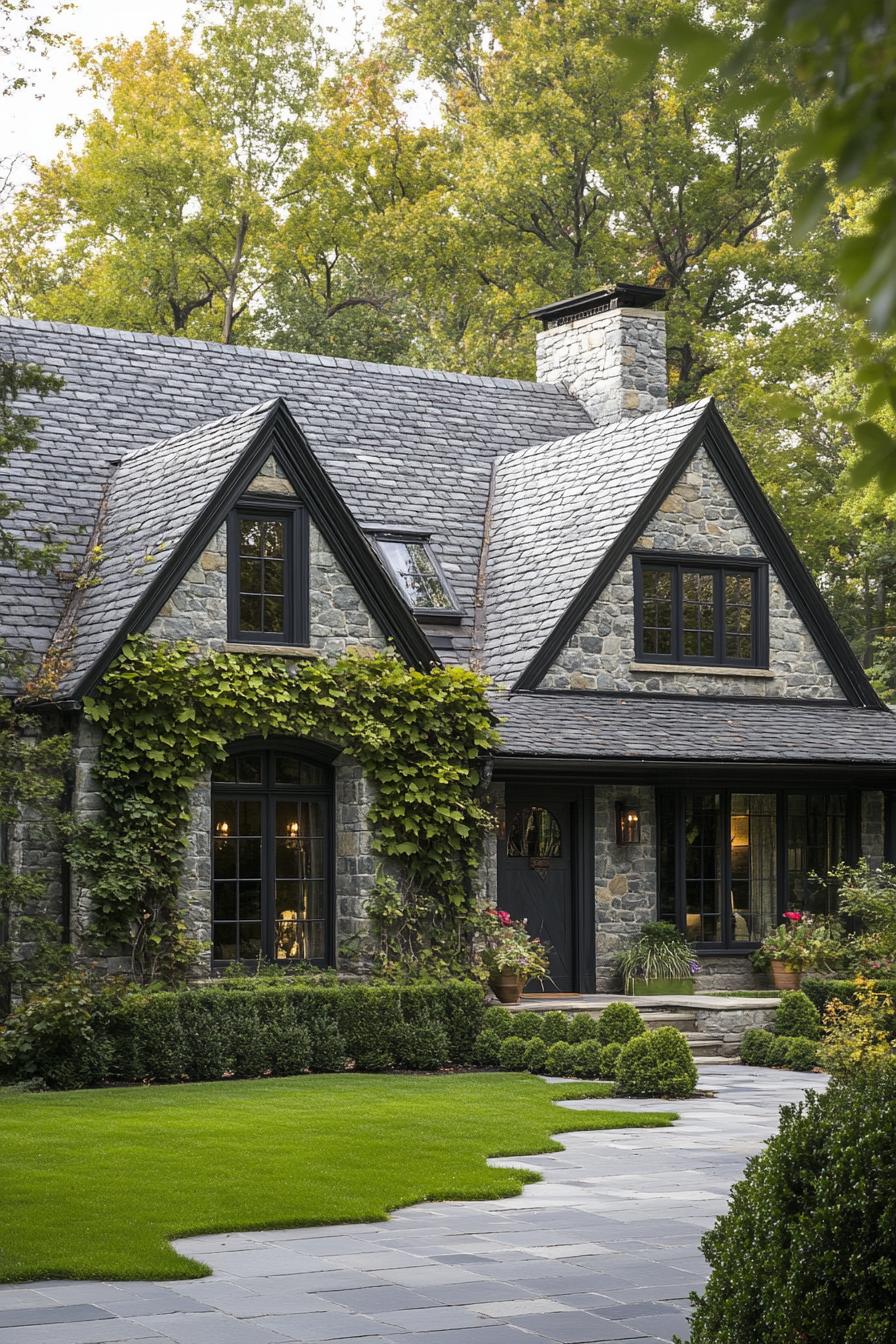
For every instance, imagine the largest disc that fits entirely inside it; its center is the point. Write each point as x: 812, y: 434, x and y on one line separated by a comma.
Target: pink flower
x: 504, y: 917
x: 795, y: 916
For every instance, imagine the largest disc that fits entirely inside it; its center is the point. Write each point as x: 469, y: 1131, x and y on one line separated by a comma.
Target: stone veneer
x: 698, y: 516
x: 624, y: 877
x: 613, y: 362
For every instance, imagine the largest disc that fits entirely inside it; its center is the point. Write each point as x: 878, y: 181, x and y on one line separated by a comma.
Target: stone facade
x: 872, y: 823
x: 613, y: 362
x: 624, y: 877
x: 729, y: 1025
x: 698, y: 516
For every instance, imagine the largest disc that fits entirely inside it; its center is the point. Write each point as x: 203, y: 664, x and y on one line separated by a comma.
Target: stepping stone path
x: 605, y: 1247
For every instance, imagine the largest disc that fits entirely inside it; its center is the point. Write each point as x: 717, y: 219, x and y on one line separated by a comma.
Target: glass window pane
x: 250, y: 941
x: 816, y: 843
x: 533, y: 833
x: 249, y: 858
x: 248, y: 768
x: 273, y: 616
x: 224, y: 772
x: 224, y: 821
x: 250, y: 576
x: 754, y: 866
x: 250, y: 536
x: 225, y: 900
x: 224, y: 858
x: 272, y: 539
x: 224, y: 942
x: 702, y: 823
x: 273, y: 576
x: 667, y: 849
x: 250, y: 900
x: 250, y: 817
x: 293, y: 770
x: 414, y: 570
x: 251, y: 618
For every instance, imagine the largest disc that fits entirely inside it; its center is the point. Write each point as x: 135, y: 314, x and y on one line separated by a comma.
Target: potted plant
x: 658, y: 961
x: 511, y: 955
x: 803, y: 942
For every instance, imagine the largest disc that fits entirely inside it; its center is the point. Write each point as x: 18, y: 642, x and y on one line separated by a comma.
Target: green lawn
x: 92, y: 1184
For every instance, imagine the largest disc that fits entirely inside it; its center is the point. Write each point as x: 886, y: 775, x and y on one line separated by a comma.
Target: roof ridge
x: 288, y: 356
x: 628, y: 422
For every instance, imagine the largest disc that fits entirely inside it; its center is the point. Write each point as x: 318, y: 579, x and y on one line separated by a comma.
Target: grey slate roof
x: 667, y: 728
x: 403, y: 446
x: 151, y: 501
x: 558, y: 507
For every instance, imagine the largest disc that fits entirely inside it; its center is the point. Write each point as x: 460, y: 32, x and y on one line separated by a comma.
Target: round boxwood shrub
x: 561, y: 1060
x: 554, y: 1027
x: 582, y: 1027
x: 421, y: 1045
x: 796, y: 1015
x: 609, y: 1059
x: 487, y: 1049
x: 776, y: 1053
x: 807, y: 1249
x: 588, y: 1055
x: 619, y: 1022
x: 526, y: 1024
x: 754, y: 1046
x: 657, y: 1064
x: 535, y: 1055
x: 800, y: 1054
x: 499, y: 1020
x: 512, y: 1053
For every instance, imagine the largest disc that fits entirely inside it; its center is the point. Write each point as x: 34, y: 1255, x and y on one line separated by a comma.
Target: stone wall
x: 32, y: 848
x: 729, y: 1024
x: 734, y: 972
x: 355, y: 861
x: 613, y: 362
x: 873, y: 827
x: 698, y: 516
x: 624, y: 877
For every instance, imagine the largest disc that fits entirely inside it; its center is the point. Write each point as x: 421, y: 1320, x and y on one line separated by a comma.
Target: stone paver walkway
x: 605, y: 1247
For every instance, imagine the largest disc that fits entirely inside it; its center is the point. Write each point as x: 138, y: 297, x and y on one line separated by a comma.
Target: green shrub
x: 656, y: 1064
x: 776, y: 1054
x: 821, y: 991
x: 561, y: 1059
x: 807, y: 1249
x: 488, y: 1048
x: 754, y: 1046
x: 421, y: 1045
x: 526, y: 1024
x: 582, y: 1028
x: 619, y: 1022
x: 554, y: 1027
x: 512, y: 1054
x: 535, y: 1055
x: 59, y: 1038
x: 796, y: 1015
x: 587, y: 1059
x: 609, y: 1059
x: 800, y: 1053
x: 500, y: 1020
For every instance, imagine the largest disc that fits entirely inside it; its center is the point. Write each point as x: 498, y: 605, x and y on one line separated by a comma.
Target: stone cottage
x: 685, y: 731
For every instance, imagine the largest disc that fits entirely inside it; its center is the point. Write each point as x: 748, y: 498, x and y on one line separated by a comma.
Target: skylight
x: 413, y: 566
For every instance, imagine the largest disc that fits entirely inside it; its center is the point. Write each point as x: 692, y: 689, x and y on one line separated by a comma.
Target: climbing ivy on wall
x: 168, y: 713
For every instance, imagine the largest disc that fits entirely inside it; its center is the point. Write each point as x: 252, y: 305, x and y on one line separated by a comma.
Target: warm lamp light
x: 223, y: 829
x: 293, y: 829
x: 628, y: 824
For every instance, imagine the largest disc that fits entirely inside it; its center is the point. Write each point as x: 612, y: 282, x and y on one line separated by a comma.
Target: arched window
x: 534, y: 833
x: 271, y: 857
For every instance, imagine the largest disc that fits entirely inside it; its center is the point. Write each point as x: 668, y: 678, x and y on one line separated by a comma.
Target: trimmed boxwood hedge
x: 821, y: 991
x: 76, y: 1037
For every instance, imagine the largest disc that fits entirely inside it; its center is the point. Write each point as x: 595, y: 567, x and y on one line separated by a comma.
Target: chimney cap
x: 598, y: 301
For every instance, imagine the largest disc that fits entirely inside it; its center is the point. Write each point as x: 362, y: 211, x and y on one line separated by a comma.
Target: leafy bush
x: 800, y: 1053
x: 561, y: 1059
x: 499, y: 1020
x: 858, y: 1034
x: 554, y: 1026
x: 512, y: 1053
x: 754, y: 1046
x: 526, y: 1024
x: 535, y: 1055
x: 660, y: 952
x: 587, y: 1059
x: 619, y: 1022
x: 487, y: 1051
x: 822, y: 991
x: 796, y: 1015
x: 609, y: 1059
x: 58, y: 1036
x: 807, y: 1250
x: 656, y: 1064
x: 421, y: 1045
x: 582, y: 1027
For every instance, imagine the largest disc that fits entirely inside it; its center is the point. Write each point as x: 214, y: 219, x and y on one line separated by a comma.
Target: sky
x: 28, y: 123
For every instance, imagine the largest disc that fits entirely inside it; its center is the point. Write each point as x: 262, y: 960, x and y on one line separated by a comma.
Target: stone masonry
x: 624, y: 877
x: 697, y: 516
x: 613, y: 362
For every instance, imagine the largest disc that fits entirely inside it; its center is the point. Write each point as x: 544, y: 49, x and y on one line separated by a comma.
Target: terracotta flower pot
x: 783, y: 977
x: 507, y: 986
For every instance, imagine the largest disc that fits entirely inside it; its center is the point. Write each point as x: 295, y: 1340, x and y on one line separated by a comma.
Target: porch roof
x: 664, y: 728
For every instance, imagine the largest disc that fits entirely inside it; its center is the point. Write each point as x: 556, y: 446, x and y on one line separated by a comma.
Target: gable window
x: 415, y: 572
x: 690, y: 610
x: 267, y: 568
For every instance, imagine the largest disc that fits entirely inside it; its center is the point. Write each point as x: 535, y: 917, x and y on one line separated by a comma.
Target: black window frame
x: 296, y: 617
x: 450, y: 615
x: 268, y: 792
x: 719, y: 566
x: 727, y: 946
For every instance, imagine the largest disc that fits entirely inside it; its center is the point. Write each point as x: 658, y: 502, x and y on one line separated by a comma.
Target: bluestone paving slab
x: 52, y: 1315
x: 606, y: 1247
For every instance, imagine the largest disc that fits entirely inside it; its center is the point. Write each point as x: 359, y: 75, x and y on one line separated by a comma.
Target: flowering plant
x: 508, y: 947
x: 804, y: 941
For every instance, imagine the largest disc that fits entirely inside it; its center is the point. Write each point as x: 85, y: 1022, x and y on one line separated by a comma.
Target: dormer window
x: 701, y: 610
x: 267, y: 568
x: 416, y: 573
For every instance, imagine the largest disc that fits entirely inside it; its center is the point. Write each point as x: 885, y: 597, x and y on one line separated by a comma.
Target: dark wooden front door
x: 536, y: 874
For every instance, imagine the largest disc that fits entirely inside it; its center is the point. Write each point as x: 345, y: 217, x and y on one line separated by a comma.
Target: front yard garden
x: 95, y: 1183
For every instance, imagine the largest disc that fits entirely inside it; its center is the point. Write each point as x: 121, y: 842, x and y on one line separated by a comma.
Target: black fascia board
x: 279, y: 434
x: 685, y: 771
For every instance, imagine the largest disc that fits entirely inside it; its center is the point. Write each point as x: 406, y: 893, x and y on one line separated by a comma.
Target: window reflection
x: 534, y: 833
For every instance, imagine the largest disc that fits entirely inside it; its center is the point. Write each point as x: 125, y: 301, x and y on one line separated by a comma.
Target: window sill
x: 703, y: 670
x: 275, y: 650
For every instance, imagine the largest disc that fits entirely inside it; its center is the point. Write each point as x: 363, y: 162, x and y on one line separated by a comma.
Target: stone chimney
x: 609, y: 348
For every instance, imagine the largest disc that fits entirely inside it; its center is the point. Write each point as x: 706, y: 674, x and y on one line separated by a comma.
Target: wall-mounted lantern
x: 628, y: 824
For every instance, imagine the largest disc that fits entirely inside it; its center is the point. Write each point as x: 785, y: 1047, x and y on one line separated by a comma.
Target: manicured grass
x: 94, y: 1183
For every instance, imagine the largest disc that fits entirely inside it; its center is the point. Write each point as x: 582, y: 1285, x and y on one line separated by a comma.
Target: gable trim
x: 711, y: 432
x: 279, y: 434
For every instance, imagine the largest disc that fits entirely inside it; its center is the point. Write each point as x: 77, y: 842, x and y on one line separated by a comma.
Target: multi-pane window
x: 266, y: 576
x: 729, y: 862
x: 413, y: 567
x: 271, y: 858
x: 690, y: 611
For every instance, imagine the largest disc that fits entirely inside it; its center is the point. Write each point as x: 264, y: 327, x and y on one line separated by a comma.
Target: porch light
x: 628, y: 824
x: 222, y: 829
